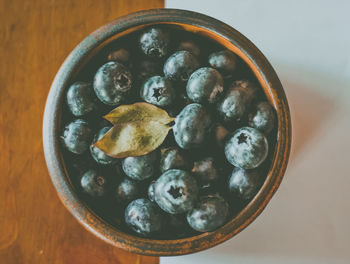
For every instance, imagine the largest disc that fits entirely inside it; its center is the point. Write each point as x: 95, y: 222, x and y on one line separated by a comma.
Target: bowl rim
x: 51, y: 129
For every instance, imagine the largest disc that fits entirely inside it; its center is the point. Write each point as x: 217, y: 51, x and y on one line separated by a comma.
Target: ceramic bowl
x: 200, y: 24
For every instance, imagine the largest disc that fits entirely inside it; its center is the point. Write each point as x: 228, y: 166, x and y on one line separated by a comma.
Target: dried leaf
x: 138, y: 129
x: 133, y: 139
x: 144, y: 112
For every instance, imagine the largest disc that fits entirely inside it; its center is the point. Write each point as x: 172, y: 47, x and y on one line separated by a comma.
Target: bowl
x: 199, y: 24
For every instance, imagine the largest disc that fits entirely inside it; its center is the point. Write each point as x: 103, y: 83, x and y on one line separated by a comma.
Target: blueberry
x: 155, y: 42
x: 205, y: 170
x: 99, y: 156
x: 112, y: 83
x: 208, y: 188
x: 233, y: 105
x: 145, y: 69
x: 244, y: 184
x: 81, y: 99
x: 190, y: 46
x: 94, y: 183
x: 247, y: 148
x: 225, y: 61
x: 77, y: 136
x: 221, y: 134
x: 142, y: 167
x: 158, y: 90
x: 144, y: 217
x: 101, y: 122
x: 205, y: 85
x: 150, y: 191
x: 251, y: 89
x: 120, y: 55
x: 262, y: 117
x: 181, y: 101
x: 192, y: 126
x: 209, y: 213
x: 128, y: 190
x: 180, y: 65
x: 173, y: 158
x: 175, y: 191
x: 79, y: 164
x: 118, y: 170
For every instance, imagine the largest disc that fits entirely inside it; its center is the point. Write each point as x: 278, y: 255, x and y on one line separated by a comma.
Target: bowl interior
x: 111, y: 233
x: 98, y: 56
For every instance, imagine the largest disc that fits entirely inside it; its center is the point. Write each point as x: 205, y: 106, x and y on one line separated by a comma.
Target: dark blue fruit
x: 112, y: 83
x: 158, y: 90
x: 205, y: 170
x: 117, y: 170
x: 145, y: 69
x: 94, y: 183
x: 250, y: 87
x: 205, y: 85
x: 150, y: 191
x: 173, y: 158
x: 175, y: 191
x: 120, y: 55
x: 209, y: 213
x: 77, y: 136
x: 221, y: 134
x: 180, y: 65
x: 209, y: 188
x: 192, y: 126
x: 233, y: 105
x: 144, y: 217
x: 155, y: 42
x: 225, y: 61
x: 181, y: 101
x: 81, y: 99
x: 190, y: 46
x: 247, y: 148
x: 262, y: 117
x: 79, y: 164
x: 244, y: 184
x: 128, y: 190
x: 142, y: 167
x: 98, y: 155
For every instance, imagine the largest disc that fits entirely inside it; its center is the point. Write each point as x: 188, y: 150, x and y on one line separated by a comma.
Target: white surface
x: 308, y: 44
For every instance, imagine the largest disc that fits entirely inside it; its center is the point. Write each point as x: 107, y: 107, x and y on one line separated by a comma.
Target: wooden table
x: 35, y: 38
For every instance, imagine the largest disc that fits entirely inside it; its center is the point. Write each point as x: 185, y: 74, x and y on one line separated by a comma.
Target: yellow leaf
x: 133, y: 139
x: 138, y: 112
x: 138, y: 129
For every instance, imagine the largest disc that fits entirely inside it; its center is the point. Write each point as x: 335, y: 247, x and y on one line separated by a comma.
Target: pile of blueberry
x: 211, y: 164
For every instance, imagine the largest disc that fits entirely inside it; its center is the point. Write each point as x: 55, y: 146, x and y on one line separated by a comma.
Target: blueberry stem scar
x: 176, y: 192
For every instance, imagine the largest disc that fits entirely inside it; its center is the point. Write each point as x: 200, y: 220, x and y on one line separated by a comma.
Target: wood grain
x: 35, y: 38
